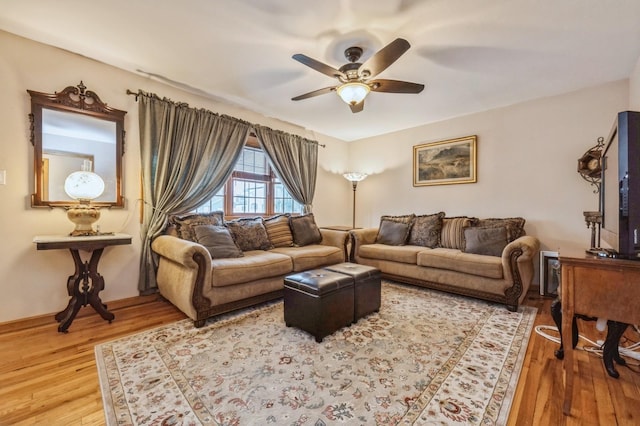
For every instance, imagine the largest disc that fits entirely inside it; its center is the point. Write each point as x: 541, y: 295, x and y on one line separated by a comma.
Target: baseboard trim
x: 48, y: 319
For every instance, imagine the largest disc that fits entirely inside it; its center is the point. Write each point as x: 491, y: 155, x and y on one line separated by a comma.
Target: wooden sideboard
x: 599, y: 287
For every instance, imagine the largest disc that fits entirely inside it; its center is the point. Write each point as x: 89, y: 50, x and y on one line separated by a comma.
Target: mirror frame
x: 77, y: 100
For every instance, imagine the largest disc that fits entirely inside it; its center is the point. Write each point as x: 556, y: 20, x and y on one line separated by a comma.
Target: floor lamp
x: 354, y: 178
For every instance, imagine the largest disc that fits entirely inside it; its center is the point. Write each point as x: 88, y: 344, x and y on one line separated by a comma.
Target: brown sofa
x: 441, y: 258
x: 202, y: 286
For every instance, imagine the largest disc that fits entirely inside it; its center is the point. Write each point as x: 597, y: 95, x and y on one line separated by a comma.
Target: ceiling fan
x: 355, y: 78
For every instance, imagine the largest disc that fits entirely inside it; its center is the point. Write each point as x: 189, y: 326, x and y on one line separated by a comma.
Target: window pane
x: 216, y: 203
x: 252, y: 161
x: 249, y: 196
x: 283, y: 202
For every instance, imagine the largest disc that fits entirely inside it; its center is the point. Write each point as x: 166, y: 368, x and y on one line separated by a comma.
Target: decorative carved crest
x: 75, y: 97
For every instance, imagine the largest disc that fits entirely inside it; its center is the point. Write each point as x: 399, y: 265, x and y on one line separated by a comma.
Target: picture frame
x: 549, y: 273
x: 445, y: 162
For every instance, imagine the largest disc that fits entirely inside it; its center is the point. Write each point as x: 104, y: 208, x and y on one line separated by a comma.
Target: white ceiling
x: 472, y: 55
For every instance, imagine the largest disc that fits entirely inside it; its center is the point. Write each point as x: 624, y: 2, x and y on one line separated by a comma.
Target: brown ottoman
x: 366, y: 287
x: 318, y: 301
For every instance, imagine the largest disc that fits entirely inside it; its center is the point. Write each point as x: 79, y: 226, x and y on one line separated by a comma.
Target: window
x: 253, y: 189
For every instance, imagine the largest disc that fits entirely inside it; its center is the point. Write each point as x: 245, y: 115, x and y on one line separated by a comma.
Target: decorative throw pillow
x: 394, y: 230
x: 489, y: 241
x: 249, y: 234
x: 407, y: 218
x: 453, y: 231
x: 279, y: 231
x: 514, y: 225
x: 184, y: 224
x: 304, y: 230
x: 218, y: 240
x: 426, y: 230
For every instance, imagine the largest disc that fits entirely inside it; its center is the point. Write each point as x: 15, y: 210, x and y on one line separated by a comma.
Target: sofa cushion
x: 394, y: 230
x: 426, y: 230
x: 485, y: 240
x: 456, y: 260
x: 218, y: 240
x: 514, y: 226
x: 279, y: 231
x: 402, y: 254
x: 184, y: 224
x: 453, y: 231
x: 249, y: 234
x: 304, y: 230
x: 254, y: 265
x: 311, y: 256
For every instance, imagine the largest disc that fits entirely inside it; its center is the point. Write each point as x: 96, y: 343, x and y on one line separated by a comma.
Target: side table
x: 86, y: 283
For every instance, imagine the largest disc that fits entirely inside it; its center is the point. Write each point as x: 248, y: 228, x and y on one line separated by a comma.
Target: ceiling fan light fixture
x: 353, y: 93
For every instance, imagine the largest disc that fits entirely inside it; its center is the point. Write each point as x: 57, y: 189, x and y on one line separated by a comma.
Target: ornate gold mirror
x: 73, y: 130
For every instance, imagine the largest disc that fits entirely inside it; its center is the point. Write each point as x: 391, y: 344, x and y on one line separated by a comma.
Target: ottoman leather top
x: 355, y: 270
x: 318, y: 281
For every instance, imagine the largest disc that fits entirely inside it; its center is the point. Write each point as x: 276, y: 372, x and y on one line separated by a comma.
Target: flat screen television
x: 620, y: 186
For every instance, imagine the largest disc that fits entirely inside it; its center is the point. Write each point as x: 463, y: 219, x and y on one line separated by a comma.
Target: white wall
x: 634, y: 88
x: 527, y: 158
x: 34, y: 282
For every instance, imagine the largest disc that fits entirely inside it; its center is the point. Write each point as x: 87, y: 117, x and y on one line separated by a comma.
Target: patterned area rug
x: 426, y: 358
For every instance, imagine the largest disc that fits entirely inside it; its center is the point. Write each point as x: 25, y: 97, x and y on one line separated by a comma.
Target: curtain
x: 294, y: 160
x: 187, y: 155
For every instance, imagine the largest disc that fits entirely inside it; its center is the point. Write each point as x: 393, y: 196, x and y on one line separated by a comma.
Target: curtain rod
x: 132, y: 93
x: 136, y: 94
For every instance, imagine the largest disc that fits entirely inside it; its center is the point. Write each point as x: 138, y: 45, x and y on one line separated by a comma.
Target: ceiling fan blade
x: 318, y: 66
x: 314, y: 93
x: 383, y: 58
x: 395, y: 86
x: 357, y: 107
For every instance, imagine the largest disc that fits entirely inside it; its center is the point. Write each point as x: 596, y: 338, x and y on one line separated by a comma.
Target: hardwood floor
x: 50, y: 378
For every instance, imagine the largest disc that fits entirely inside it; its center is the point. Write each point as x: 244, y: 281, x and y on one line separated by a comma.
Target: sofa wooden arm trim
x: 513, y: 293
x: 200, y: 302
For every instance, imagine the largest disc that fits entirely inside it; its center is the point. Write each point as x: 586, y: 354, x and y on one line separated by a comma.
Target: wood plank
x: 51, y: 378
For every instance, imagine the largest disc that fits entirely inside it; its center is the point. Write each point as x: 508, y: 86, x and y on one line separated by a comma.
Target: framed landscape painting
x: 445, y: 162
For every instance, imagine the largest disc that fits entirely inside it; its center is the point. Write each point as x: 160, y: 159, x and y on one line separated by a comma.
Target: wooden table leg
x: 567, y: 336
x: 73, y: 283
x: 86, y: 274
x: 610, y: 351
x: 97, y: 285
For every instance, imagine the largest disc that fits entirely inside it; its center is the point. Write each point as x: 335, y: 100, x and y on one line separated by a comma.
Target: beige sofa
x: 504, y: 277
x: 202, y: 287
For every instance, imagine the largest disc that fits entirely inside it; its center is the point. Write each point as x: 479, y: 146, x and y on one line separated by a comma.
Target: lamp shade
x: 83, y: 185
x: 355, y: 176
x: 353, y: 93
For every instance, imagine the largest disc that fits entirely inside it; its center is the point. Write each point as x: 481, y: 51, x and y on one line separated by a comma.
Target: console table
x: 599, y: 287
x: 86, y: 283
